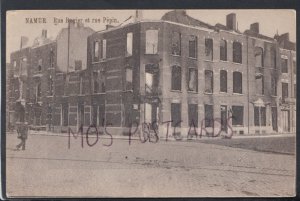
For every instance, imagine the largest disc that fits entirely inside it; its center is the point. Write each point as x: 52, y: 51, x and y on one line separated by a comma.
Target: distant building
x: 36, y: 82
x: 205, y: 79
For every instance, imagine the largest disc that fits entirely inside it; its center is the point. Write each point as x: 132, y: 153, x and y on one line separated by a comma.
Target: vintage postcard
x: 151, y: 103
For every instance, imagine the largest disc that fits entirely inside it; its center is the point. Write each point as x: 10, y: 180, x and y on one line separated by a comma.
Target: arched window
x: 237, y: 82
x: 259, y: 58
x: 237, y: 52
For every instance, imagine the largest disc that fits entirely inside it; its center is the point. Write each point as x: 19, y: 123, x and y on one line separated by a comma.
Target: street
x: 205, y: 167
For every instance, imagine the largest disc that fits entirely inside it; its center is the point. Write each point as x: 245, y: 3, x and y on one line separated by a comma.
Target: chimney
x: 44, y: 33
x: 254, y: 27
x: 231, y: 21
x: 138, y: 15
x: 285, y: 36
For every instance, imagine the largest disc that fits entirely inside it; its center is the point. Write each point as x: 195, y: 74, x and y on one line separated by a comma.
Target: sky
x: 270, y: 21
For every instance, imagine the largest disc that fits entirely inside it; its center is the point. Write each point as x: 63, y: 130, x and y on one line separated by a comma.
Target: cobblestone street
x: 175, y: 168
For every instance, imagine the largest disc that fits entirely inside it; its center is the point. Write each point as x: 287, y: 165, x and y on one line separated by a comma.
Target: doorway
x: 285, y: 120
x: 274, y: 119
x: 224, y: 126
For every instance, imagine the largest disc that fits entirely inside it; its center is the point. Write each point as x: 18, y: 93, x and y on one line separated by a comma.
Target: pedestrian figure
x: 22, y: 131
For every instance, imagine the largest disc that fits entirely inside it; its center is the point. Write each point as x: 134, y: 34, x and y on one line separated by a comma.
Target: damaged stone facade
x: 177, y: 75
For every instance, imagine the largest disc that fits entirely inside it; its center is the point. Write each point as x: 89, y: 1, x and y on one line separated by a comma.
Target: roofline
x: 169, y: 22
x: 53, y: 41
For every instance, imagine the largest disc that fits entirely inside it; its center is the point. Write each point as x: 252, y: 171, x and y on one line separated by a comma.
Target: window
x: 259, y: 59
x: 103, y: 49
x: 223, y: 50
x: 23, y: 66
x: 259, y: 116
x: 51, y: 58
x: 129, y: 79
x: 102, y: 81
x: 223, y: 81
x: 176, y: 43
x: 149, y: 82
x: 96, y: 82
x: 101, y: 115
x: 176, y: 114
x: 273, y: 86
x: 294, y: 67
x: 49, y: 115
x: 285, y: 90
x: 259, y: 83
x: 209, y: 81
x: 237, y: 83
x: 129, y: 45
x: 193, y: 80
x: 65, y: 114
x: 237, y: 52
x: 273, y: 58
x: 209, y: 49
x: 176, y: 78
x: 99, y: 50
x: 152, y: 78
x: 73, y: 115
x: 284, y: 65
x: 237, y: 115
x: 209, y: 115
x: 193, y: 115
x: 50, y: 85
x: 94, y: 115
x: 40, y: 63
x: 96, y: 51
x: 87, y: 115
x: 193, y: 46
x: 151, y: 41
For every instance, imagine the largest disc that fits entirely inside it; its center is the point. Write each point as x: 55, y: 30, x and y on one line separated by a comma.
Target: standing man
x: 22, y: 134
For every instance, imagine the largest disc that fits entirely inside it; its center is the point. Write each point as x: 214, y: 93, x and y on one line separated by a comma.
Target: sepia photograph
x: 151, y: 103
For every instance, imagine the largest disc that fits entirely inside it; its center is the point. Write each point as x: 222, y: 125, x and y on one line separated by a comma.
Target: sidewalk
x: 171, y: 138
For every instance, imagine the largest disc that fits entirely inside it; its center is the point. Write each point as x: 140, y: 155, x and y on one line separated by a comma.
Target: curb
x: 171, y: 138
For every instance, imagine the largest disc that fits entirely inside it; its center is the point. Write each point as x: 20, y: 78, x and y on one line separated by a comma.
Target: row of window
x: 96, y: 115
x: 284, y: 66
x: 193, y: 48
x: 236, y: 112
x: 151, y: 43
x: 209, y: 80
x: 192, y: 83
